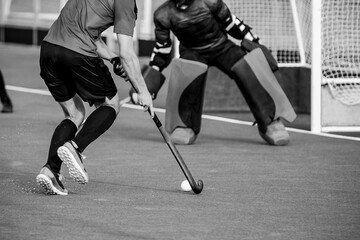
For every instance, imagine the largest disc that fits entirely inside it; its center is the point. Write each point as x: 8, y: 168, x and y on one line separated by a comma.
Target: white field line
x: 28, y: 90
x: 214, y: 118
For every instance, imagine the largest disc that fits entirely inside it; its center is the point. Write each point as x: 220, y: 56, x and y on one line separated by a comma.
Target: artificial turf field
x: 307, y: 190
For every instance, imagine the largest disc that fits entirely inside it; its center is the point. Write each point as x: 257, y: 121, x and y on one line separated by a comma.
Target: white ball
x: 185, y: 186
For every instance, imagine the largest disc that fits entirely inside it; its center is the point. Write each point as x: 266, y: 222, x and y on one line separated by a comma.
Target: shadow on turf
x: 119, y: 185
x: 209, y: 138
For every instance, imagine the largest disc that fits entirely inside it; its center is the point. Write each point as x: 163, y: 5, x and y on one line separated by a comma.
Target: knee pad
x: 250, y: 46
x: 261, y: 90
x: 185, y: 95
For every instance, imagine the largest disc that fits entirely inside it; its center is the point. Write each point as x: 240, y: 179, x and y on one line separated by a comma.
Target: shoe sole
x: 46, y: 183
x: 278, y: 142
x: 75, y: 170
x: 7, y: 111
x: 180, y: 141
x: 182, y: 137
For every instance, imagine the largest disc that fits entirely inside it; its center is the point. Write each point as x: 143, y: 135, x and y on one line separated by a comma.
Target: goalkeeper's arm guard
x: 239, y: 30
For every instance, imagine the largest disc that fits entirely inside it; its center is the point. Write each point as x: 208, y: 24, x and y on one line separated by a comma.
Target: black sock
x: 3, y: 94
x: 99, y: 121
x: 64, y: 132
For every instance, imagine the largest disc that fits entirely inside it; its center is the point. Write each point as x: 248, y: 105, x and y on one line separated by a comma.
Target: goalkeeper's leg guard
x: 264, y: 95
x: 153, y: 79
x: 184, y: 100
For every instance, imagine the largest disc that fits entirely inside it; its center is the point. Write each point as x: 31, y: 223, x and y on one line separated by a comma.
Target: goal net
x: 340, y: 38
x: 282, y: 25
x: 336, y: 66
x: 326, y: 39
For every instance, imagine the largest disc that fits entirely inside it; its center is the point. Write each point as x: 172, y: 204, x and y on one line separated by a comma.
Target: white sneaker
x: 74, y: 162
x: 51, y: 182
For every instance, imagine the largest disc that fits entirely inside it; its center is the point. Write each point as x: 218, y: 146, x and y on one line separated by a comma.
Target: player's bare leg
x: 49, y: 177
x: 95, y: 125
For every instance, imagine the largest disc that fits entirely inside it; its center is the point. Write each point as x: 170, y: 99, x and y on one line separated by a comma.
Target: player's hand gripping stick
x: 195, y: 186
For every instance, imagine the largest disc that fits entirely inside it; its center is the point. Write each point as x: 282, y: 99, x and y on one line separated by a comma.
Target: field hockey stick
x: 195, y: 186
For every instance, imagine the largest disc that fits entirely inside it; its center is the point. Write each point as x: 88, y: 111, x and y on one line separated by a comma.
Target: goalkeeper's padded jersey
x: 200, y: 26
x: 81, y: 23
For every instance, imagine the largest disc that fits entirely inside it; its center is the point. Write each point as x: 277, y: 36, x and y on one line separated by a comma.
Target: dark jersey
x: 81, y: 23
x: 200, y: 26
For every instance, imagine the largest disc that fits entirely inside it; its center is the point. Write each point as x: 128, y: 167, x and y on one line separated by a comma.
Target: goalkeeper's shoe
x: 183, y: 136
x: 51, y: 182
x: 276, y: 134
x: 73, y: 159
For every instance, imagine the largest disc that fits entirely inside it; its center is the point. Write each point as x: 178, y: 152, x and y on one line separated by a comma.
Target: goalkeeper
x: 202, y: 28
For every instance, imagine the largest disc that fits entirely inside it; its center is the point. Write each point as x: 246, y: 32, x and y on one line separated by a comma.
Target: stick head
x: 198, y: 187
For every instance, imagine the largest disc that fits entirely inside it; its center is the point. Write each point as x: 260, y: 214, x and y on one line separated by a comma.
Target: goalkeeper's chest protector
x: 196, y: 27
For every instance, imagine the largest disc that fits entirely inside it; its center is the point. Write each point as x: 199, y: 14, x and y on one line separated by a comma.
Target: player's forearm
x: 130, y: 62
x: 131, y: 65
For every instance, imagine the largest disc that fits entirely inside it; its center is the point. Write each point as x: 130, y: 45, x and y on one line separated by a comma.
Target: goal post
x: 335, y: 66
x: 315, y: 118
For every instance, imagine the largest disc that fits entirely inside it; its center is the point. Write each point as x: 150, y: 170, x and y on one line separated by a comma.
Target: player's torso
x: 80, y: 23
x: 196, y: 27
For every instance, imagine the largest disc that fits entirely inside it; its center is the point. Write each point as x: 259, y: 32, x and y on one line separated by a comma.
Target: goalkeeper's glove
x: 153, y: 80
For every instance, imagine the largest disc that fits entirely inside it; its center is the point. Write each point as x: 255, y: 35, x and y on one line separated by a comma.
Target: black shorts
x: 66, y: 73
x: 223, y: 56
